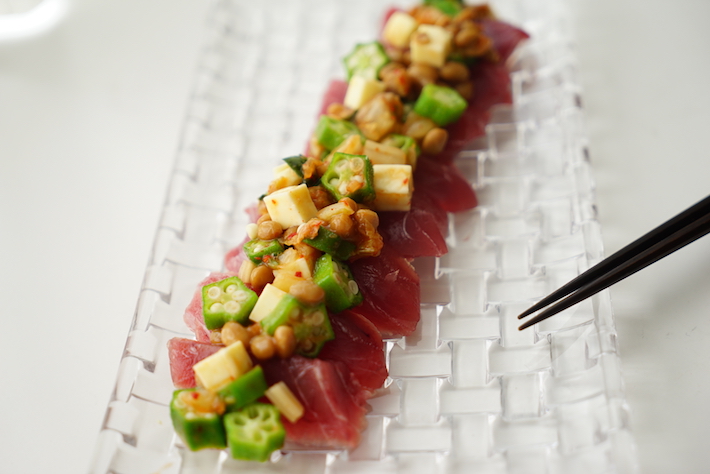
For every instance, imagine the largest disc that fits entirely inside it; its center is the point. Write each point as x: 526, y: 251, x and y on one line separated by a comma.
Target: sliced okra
x: 226, y: 300
x: 310, y: 324
x: 331, y: 132
x: 331, y: 243
x: 341, y: 290
x: 196, y: 419
x: 261, y: 251
x: 349, y: 176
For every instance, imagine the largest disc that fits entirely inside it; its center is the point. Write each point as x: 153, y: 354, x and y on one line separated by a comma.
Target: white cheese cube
x: 287, y: 175
x: 269, y: 298
x: 223, y: 367
x: 291, y: 206
x: 430, y: 44
x: 361, y: 90
x: 398, y: 29
x: 381, y: 154
x: 283, y: 398
x: 292, y: 273
x: 393, y: 187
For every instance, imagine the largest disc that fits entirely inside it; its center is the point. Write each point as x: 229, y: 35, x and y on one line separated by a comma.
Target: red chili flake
x: 299, y: 274
x: 195, y: 395
x: 406, y: 180
x: 266, y: 258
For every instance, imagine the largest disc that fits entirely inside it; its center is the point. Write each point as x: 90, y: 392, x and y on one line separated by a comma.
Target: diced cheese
x: 287, y: 174
x: 223, y: 366
x: 290, y: 206
x: 300, y: 267
x: 361, y: 90
x: 398, y: 29
x: 381, y: 154
x: 393, y: 187
x: 283, y: 398
x: 434, y: 49
x: 269, y: 298
x: 285, y: 280
x: 291, y: 273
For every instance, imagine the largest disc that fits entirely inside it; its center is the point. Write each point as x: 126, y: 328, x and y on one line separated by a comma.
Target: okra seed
x: 352, y: 286
x: 357, y: 164
x: 217, y: 308
x: 240, y: 296
x: 232, y: 307
x: 317, y: 318
x: 214, y: 292
x: 230, y: 289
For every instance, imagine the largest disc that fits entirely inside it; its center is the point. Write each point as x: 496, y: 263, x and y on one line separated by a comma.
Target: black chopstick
x: 665, y: 239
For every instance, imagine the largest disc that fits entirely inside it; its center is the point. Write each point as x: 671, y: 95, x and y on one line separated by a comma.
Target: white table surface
x: 90, y: 118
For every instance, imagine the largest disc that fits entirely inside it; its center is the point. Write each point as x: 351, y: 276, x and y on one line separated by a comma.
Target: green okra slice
x: 310, y: 324
x: 447, y: 7
x: 441, y: 104
x: 407, y: 144
x: 254, y: 432
x: 246, y: 389
x: 331, y: 132
x: 331, y: 243
x: 350, y: 176
x: 261, y: 251
x: 366, y: 60
x: 341, y: 290
x: 227, y: 300
x: 197, y: 426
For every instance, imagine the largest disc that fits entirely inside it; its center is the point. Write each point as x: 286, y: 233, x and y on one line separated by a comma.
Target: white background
x: 90, y: 115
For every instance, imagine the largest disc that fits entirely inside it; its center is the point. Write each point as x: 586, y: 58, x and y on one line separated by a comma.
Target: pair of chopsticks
x: 676, y: 233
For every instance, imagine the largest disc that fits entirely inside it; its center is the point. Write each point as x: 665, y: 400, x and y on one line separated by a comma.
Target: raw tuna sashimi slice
x: 491, y: 87
x: 444, y: 184
x: 334, y: 94
x: 234, y: 258
x: 505, y: 37
x: 334, y: 403
x: 183, y: 354
x: 390, y: 289
x: 193, y: 313
x: 357, y: 344
x: 417, y: 233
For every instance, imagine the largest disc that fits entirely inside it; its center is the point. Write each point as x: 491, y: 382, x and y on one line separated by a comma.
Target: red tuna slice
x: 417, y: 233
x: 505, y: 37
x: 444, y: 184
x: 334, y: 94
x: 358, y: 345
x: 183, y: 355
x: 193, y: 313
x: 234, y: 258
x: 334, y: 403
x: 390, y: 287
x: 491, y: 87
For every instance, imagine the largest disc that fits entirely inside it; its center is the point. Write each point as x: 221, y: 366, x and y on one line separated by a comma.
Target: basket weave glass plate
x: 467, y: 392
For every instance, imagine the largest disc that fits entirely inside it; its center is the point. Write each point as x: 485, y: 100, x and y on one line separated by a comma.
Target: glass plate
x: 467, y: 391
